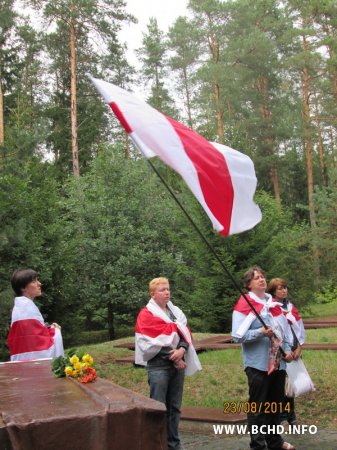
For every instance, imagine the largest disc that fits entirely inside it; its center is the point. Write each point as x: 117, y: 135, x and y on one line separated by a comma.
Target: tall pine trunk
x: 309, y: 156
x: 188, y: 99
x: 320, y: 146
x: 307, y: 137
x: 214, y: 48
x: 2, y: 129
x: 73, y: 99
x: 262, y: 86
x: 111, y: 326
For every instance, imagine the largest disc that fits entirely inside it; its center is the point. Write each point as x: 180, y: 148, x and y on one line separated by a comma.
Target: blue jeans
x: 166, y: 386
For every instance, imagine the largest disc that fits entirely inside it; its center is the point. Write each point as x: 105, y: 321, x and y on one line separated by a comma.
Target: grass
x: 321, y: 336
x: 324, y: 311
x: 223, y: 379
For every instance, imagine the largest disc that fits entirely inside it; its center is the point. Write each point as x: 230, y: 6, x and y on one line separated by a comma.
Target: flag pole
x: 203, y: 237
x: 209, y: 245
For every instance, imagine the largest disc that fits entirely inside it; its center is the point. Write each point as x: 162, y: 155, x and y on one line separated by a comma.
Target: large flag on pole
x: 222, y: 179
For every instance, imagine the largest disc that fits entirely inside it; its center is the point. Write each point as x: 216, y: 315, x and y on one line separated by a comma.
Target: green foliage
x: 328, y: 294
x: 97, y: 241
x: 58, y: 365
x: 152, y: 55
x: 115, y: 239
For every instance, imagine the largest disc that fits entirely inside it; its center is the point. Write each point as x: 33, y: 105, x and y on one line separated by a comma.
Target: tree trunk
x: 218, y: 112
x: 307, y: 136
x: 214, y: 48
x: 111, y: 327
x: 333, y: 71
x: 73, y: 99
x: 332, y: 149
x: 188, y: 100
x: 262, y: 86
x: 320, y: 146
x: 309, y: 154
x: 2, y: 129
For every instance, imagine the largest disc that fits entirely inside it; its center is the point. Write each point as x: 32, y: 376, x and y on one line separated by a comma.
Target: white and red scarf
x: 243, y: 317
x: 154, y: 330
x: 295, y: 321
x: 29, y: 338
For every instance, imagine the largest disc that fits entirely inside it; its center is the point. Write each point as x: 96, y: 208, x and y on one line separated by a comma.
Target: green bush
x: 98, y: 336
x: 328, y: 294
x: 90, y: 337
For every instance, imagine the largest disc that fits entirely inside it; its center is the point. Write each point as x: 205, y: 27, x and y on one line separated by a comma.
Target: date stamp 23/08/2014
x: 256, y: 407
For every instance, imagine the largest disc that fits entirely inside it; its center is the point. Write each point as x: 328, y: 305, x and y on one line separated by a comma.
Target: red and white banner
x: 29, y: 338
x: 222, y: 179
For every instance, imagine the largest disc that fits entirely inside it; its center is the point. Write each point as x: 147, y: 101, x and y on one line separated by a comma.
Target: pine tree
x: 152, y: 56
x: 77, y: 22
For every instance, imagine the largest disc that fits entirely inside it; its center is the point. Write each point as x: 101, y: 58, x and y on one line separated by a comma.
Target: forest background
x: 80, y: 206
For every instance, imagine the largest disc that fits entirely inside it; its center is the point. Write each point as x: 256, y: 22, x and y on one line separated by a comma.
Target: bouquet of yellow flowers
x: 75, y: 366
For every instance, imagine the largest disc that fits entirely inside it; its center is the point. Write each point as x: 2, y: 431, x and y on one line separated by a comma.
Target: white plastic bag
x: 289, y: 388
x: 299, y: 378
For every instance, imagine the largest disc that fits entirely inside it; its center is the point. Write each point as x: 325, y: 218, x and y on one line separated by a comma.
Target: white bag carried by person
x: 299, y: 380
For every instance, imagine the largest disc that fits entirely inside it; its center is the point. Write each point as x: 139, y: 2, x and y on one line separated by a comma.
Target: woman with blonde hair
x: 164, y: 345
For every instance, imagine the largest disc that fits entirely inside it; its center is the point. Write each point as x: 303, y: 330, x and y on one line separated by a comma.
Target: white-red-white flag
x: 222, y: 179
x: 29, y: 337
x: 154, y: 330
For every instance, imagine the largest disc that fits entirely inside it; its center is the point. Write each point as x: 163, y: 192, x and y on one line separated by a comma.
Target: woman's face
x: 32, y: 290
x: 281, y: 292
x: 258, y: 283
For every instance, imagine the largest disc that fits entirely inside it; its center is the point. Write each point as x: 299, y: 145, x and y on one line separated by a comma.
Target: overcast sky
x: 165, y: 11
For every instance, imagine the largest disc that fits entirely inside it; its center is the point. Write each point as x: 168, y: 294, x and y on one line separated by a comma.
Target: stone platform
x: 40, y: 412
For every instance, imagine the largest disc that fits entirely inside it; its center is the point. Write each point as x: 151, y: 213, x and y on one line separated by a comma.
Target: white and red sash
x: 154, y: 330
x: 243, y: 317
x: 295, y: 321
x: 29, y: 338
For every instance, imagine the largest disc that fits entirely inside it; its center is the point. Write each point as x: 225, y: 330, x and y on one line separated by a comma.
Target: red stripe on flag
x: 243, y: 307
x: 213, y: 174
x: 120, y: 117
x: 153, y: 326
x: 29, y: 335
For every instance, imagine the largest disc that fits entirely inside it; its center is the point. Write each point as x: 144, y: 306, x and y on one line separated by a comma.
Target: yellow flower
x: 78, y: 366
x: 88, y: 360
x: 68, y: 371
x: 75, y: 374
x: 74, y: 360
